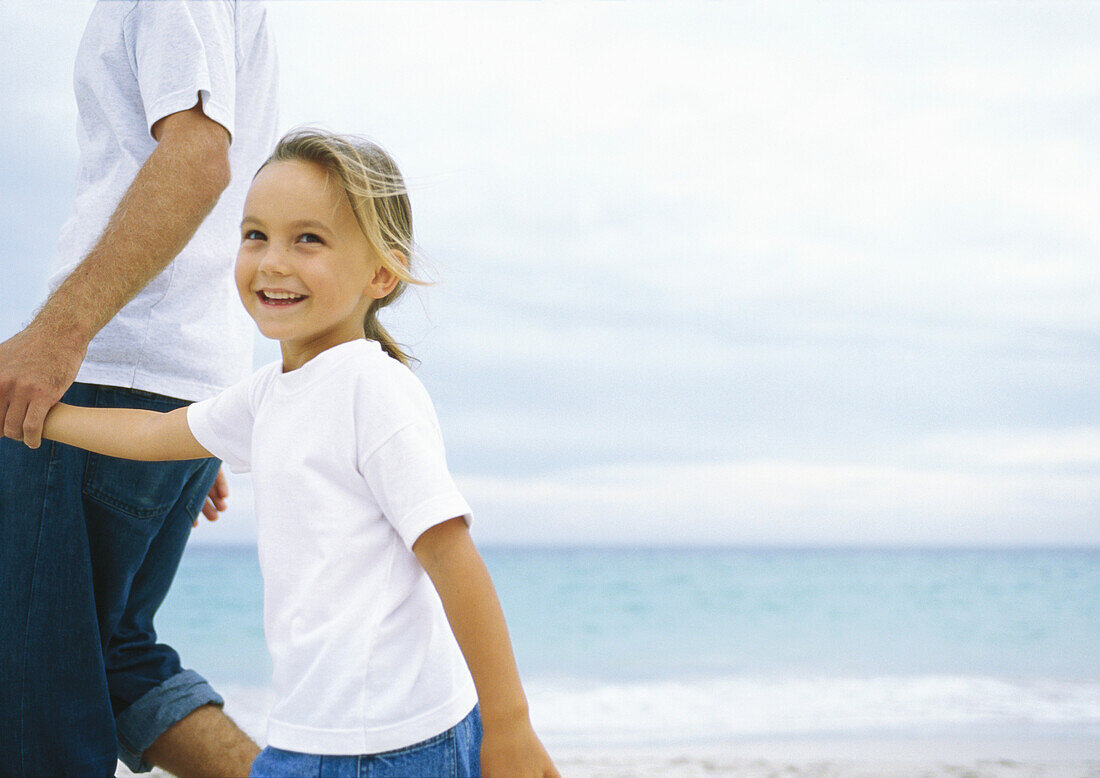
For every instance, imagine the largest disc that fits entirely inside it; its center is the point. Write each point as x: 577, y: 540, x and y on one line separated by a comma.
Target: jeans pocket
x: 141, y: 490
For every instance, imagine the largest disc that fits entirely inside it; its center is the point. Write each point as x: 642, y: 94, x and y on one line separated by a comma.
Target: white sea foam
x: 574, y: 713
x: 743, y: 707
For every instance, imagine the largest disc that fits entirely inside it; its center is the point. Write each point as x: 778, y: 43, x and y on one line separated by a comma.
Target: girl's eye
x: 309, y: 237
x: 254, y: 235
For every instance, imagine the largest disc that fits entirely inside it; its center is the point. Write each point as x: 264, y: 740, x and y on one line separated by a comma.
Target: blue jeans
x: 455, y: 753
x: 88, y: 548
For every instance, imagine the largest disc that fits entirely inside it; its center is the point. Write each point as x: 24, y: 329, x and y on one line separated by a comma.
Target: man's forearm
x: 170, y: 196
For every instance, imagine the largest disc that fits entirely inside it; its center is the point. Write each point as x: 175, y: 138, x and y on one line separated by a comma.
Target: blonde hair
x: 379, y: 200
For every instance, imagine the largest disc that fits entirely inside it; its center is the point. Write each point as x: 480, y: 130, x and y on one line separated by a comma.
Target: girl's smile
x: 305, y: 271
x: 279, y: 297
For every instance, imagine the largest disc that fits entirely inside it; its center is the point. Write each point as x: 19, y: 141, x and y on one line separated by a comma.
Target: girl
x: 363, y: 537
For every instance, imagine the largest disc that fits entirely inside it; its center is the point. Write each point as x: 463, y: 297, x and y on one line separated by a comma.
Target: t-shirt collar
x: 321, y: 364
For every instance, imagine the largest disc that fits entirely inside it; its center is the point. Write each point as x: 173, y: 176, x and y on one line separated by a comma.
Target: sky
x: 761, y: 273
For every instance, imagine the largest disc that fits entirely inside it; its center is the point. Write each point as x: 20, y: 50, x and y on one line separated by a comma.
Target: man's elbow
x: 205, y: 169
x: 215, y: 171
x: 203, y: 164
x: 202, y: 144
x: 209, y: 152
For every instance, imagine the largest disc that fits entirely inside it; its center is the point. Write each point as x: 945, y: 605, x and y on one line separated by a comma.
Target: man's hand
x: 37, y: 366
x: 215, y: 501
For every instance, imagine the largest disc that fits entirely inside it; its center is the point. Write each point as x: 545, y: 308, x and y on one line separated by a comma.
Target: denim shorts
x: 455, y: 753
x: 90, y: 546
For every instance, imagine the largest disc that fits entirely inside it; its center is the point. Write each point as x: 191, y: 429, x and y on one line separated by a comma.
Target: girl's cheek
x: 243, y: 272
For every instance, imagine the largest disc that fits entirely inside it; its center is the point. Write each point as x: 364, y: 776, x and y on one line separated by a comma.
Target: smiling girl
x: 389, y: 646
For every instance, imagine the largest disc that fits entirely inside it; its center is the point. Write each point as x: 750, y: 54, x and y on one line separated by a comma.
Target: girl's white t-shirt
x: 185, y: 334
x: 348, y: 470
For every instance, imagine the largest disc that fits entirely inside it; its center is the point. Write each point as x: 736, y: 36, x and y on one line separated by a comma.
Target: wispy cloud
x: 734, y: 272
x: 1043, y: 494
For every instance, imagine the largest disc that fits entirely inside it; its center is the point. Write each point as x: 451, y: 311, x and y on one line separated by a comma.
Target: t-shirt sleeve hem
x: 184, y: 100
x: 435, y: 510
x: 199, y: 423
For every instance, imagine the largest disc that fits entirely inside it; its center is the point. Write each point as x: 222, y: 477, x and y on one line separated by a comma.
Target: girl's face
x: 305, y: 271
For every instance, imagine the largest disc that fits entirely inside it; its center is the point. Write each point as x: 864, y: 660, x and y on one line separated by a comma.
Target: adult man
x: 176, y: 105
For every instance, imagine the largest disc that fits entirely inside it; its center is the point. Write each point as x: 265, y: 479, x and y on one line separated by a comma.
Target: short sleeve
x: 223, y: 425
x: 183, y: 52
x: 408, y: 476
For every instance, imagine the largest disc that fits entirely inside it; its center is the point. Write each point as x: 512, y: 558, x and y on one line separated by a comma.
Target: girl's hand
x: 215, y: 501
x: 514, y: 751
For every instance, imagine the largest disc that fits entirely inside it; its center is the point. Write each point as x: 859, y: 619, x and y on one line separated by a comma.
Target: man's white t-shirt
x: 348, y: 468
x: 186, y: 334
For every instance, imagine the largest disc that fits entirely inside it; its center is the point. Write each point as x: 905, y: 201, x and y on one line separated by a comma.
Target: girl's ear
x: 385, y: 280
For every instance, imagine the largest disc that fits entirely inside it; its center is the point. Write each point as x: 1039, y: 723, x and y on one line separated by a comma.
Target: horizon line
x: 1086, y: 546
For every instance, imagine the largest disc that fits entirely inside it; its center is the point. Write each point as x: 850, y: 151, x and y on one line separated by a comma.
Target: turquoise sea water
x: 627, y: 645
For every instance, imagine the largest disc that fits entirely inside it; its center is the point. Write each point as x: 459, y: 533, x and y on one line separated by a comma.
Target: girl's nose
x: 273, y: 261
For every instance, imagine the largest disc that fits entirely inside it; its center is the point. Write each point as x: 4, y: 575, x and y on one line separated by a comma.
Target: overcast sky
x: 752, y: 273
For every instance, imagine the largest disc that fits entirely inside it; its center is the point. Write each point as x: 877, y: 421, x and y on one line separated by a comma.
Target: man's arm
x: 170, y: 196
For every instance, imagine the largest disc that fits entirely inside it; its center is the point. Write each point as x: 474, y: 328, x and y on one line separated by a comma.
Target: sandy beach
x: 822, y: 759
x: 864, y: 758
x: 894, y: 756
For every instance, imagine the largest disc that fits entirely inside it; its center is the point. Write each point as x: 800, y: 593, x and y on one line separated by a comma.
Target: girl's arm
x: 509, y: 746
x: 124, y: 432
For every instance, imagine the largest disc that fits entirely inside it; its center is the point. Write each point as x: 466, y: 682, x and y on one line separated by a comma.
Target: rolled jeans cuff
x: 157, y: 710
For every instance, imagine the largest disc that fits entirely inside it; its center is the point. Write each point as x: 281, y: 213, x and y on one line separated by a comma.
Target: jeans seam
x: 412, y: 749
x: 50, y: 471
x: 192, y: 508
x: 128, y: 746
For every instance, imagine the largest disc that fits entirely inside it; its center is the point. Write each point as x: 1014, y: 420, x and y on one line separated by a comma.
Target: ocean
x: 657, y: 647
